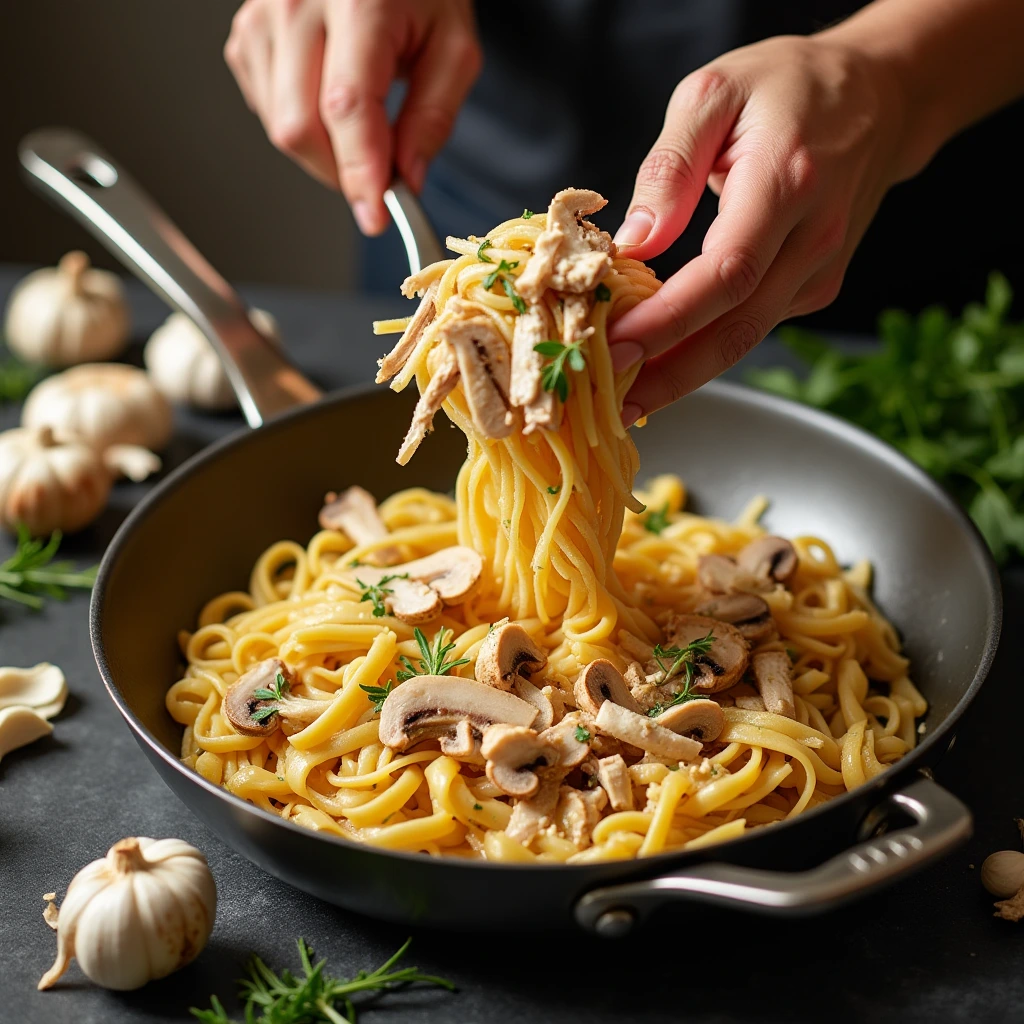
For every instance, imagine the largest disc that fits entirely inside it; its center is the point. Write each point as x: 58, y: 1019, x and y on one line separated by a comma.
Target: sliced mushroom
x: 614, y: 776
x: 450, y: 709
x: 539, y: 699
x: 484, y: 366
x: 354, y: 513
x: 421, y: 320
x: 702, y: 719
x: 724, y: 662
x: 245, y: 711
x: 721, y: 575
x: 572, y: 750
x: 507, y: 653
x: 749, y: 613
x: 442, y: 383
x: 644, y: 732
x: 411, y: 601
x: 514, y: 753
x: 773, y: 673
x: 769, y: 557
x: 601, y: 681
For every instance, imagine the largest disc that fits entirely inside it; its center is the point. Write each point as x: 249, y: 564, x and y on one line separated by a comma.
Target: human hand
x: 317, y: 73
x: 800, y: 138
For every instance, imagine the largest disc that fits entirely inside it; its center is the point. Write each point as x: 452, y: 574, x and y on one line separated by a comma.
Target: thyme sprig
x: 376, y: 592
x: 434, y: 661
x: 30, y: 575
x: 672, y: 660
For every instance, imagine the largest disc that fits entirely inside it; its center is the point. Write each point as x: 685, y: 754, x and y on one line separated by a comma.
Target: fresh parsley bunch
x: 946, y: 391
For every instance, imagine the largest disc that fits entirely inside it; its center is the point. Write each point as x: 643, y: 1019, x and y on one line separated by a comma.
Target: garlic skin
x: 69, y: 314
x: 103, y: 404
x: 48, y: 485
x: 185, y: 367
x: 42, y: 688
x: 138, y: 914
x: 1003, y: 873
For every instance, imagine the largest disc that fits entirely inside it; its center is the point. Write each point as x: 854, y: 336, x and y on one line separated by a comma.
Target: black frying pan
x: 199, y: 532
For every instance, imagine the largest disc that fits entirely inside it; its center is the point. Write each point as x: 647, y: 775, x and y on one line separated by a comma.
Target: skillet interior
x: 199, y: 533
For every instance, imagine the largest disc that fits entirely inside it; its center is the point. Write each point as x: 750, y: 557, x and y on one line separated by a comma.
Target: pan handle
x: 941, y: 822
x: 71, y: 170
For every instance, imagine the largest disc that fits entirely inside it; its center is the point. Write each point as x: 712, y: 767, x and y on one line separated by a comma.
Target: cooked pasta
x: 598, y: 675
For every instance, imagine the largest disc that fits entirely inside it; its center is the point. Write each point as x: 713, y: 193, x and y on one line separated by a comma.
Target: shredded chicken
x: 399, y: 355
x: 443, y: 380
x: 574, y: 319
x: 539, y: 407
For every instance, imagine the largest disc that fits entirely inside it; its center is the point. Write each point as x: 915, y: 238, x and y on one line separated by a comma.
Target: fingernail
x: 635, y: 228
x: 625, y: 355
x: 631, y: 412
x: 364, y: 217
x: 417, y: 173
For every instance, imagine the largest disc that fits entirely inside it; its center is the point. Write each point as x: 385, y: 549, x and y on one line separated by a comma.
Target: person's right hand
x: 317, y: 73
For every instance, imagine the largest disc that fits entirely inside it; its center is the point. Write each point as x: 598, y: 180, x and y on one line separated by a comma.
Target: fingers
x: 438, y: 84
x: 760, y: 206
x: 672, y: 177
x: 247, y: 53
x: 359, y: 65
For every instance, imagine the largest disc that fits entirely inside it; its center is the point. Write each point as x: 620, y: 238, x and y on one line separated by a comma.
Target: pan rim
x: 812, y: 418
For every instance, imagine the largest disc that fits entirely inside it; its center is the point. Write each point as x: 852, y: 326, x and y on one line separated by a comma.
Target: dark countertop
x: 925, y: 950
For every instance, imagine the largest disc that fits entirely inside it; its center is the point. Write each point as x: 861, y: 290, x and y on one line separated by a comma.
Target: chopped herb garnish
x: 433, y: 662
x: 376, y: 592
x: 555, y: 377
x: 276, y: 692
x: 657, y: 519
x: 672, y: 767
x: 602, y: 292
x: 378, y: 694
x: 517, y: 300
x: 681, y: 658
x: 527, y: 214
x: 485, y: 244
x: 500, y: 273
x: 582, y: 735
x: 477, y: 807
x: 30, y: 575
x: 554, y: 490
x: 500, y: 269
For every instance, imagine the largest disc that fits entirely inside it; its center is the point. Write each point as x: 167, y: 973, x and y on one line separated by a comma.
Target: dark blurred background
x: 148, y: 82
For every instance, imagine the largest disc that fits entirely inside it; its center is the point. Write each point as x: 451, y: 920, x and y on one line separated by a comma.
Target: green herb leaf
x: 680, y: 658
x: 498, y: 271
x: 377, y: 694
x: 602, y: 293
x: 582, y: 735
x: 554, y: 376
x: 477, y: 807
x: 30, y: 575
x: 518, y: 302
x: 527, y: 214
x: 485, y: 244
x: 278, y: 691
x: 314, y: 997
x: 554, y: 490
x: 376, y: 592
x: 434, y: 661
x: 657, y: 519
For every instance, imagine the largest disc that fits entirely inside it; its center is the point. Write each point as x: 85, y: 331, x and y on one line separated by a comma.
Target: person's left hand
x: 801, y: 138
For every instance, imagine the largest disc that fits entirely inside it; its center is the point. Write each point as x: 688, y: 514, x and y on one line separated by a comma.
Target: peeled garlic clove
x: 42, y: 688
x: 72, y: 313
x: 141, y: 912
x: 102, y: 404
x: 1003, y: 873
x: 20, y: 726
x: 131, y: 460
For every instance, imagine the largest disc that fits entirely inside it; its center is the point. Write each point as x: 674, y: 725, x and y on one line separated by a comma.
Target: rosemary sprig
x: 314, y: 997
x: 30, y: 575
x: 276, y: 693
x: 555, y: 377
x: 681, y: 658
x: 378, y: 694
x: 433, y: 662
x: 376, y: 592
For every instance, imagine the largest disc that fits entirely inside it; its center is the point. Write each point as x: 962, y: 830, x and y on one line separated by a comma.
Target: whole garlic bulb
x: 184, y: 366
x: 104, y: 404
x: 72, y: 313
x: 50, y: 485
x: 138, y: 914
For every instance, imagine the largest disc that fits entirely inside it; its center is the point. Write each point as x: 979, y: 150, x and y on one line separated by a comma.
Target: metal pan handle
x: 941, y: 821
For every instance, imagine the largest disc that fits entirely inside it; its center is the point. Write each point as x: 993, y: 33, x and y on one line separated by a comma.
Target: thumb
x: 672, y: 177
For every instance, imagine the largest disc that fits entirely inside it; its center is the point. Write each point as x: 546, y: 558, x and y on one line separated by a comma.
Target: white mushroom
x: 601, y: 681
x: 769, y: 557
x: 721, y: 575
x: 257, y: 703
x: 421, y: 320
x: 42, y: 688
x: 539, y: 699
x: 724, y: 663
x: 773, y: 673
x: 507, y: 653
x: 450, y: 709
x: 614, y: 777
x: 514, y: 754
x: 749, y: 613
x: 354, y: 513
x: 702, y: 719
x: 644, y: 732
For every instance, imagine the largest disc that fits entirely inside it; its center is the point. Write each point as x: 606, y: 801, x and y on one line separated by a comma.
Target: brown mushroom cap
x: 354, y: 513
x: 600, y: 681
x: 514, y: 753
x: 749, y: 613
x: 725, y: 661
x: 644, y: 732
x: 412, y: 601
x: 773, y: 673
x: 507, y: 653
x: 539, y: 699
x: 702, y: 719
x: 240, y: 705
x: 769, y: 557
x: 453, y: 710
x: 721, y: 575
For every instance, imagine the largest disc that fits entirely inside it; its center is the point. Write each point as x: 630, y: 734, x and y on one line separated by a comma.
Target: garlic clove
x: 132, y: 461
x: 42, y: 688
x: 20, y: 726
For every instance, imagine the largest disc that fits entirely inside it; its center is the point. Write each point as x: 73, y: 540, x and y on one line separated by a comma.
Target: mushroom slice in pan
x: 722, y: 665
x: 644, y: 732
x: 749, y: 613
x: 769, y: 557
x: 507, y: 653
x: 539, y: 699
x: 453, y: 710
x: 354, y: 513
x: 421, y: 320
x: 253, y: 709
x: 442, y: 383
x: 484, y: 365
x: 773, y: 673
x: 721, y: 575
x: 614, y: 777
x: 601, y: 681
x: 514, y: 753
x: 702, y: 719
